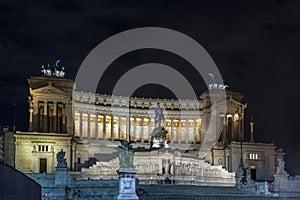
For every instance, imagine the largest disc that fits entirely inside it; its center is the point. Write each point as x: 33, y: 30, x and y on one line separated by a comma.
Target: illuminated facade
x: 110, y: 121
x: 87, y: 127
x: 50, y: 125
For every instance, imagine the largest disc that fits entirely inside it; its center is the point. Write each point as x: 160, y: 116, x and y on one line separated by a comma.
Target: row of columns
x: 34, y: 117
x: 231, y: 133
x: 128, y: 128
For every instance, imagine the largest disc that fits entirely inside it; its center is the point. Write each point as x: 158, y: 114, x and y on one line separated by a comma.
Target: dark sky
x: 255, y: 45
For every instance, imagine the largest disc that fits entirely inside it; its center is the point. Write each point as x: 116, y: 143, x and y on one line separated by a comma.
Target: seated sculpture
x: 60, y: 157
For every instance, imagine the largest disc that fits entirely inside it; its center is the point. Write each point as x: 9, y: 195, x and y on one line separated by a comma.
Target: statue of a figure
x: 125, y: 154
x: 281, y: 165
x: 212, y: 77
x: 159, y: 115
x: 61, y: 161
x: 43, y: 70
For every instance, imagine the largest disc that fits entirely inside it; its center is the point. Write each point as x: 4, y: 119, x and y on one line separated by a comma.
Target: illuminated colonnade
x: 134, y: 128
x: 101, y: 117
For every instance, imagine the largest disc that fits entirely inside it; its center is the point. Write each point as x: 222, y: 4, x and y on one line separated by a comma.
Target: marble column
x: 104, y: 126
x: 252, y: 130
x: 112, y: 127
x: 149, y: 130
x: 45, y: 122
x: 73, y: 156
x: 119, y: 127
x: 55, y: 117
x: 194, y: 131
x: 187, y: 131
x: 222, y: 135
x: 64, y: 118
x: 142, y: 129
x: 30, y: 116
x: 89, y: 127
x: 179, y: 131
x: 203, y: 126
x: 96, y: 126
x: 227, y: 154
x: 127, y: 128
x: 172, y: 130
x: 232, y: 127
x: 36, y: 116
x: 226, y: 130
x: 229, y: 137
x: 80, y: 125
x: 134, y: 128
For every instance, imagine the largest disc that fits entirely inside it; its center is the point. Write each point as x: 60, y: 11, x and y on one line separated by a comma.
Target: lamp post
x: 192, y: 181
x: 151, y: 180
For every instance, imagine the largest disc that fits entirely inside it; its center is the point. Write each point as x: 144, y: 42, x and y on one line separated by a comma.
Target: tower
x: 50, y: 109
x: 50, y: 123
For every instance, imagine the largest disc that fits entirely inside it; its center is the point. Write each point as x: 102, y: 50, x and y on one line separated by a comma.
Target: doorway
x: 43, y: 165
x: 253, y: 172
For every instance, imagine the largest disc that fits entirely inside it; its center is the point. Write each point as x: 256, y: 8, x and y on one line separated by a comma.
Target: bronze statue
x: 158, y: 135
x: 60, y: 157
x: 159, y: 115
x: 125, y: 154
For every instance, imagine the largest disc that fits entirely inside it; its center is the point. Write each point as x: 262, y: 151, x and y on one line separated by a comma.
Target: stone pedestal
x: 127, y: 183
x: 61, y: 176
x: 281, y: 181
x: 158, y: 138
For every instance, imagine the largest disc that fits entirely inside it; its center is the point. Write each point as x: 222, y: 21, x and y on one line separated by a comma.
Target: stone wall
x: 287, y: 186
x: 156, y: 166
x: 7, y: 147
x: 75, y: 188
x: 32, y: 146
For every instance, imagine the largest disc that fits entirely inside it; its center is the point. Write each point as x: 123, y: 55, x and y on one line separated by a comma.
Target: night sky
x: 255, y: 44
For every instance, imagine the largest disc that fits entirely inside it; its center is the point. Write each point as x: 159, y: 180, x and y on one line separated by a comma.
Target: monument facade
x: 89, y: 131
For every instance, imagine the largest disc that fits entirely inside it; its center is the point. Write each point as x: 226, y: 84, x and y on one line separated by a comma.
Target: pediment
x: 232, y: 102
x: 49, y: 89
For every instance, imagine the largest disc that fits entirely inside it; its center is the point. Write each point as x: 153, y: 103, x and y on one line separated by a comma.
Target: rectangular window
x: 253, y: 156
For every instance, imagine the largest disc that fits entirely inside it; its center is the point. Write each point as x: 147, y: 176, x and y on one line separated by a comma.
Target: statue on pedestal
x: 61, y: 175
x: 125, y: 154
x: 159, y: 115
x: 127, y: 172
x: 60, y: 157
x: 158, y: 135
x: 281, y: 166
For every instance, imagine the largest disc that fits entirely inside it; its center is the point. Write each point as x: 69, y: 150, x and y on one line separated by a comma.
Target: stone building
x: 7, y: 147
x: 50, y: 125
x: 88, y: 128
